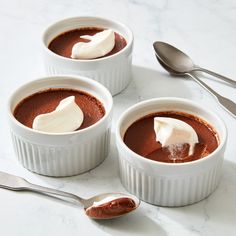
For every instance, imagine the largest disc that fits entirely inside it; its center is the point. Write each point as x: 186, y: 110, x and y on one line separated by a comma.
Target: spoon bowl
x: 168, y: 69
x: 110, y: 205
x: 173, y: 57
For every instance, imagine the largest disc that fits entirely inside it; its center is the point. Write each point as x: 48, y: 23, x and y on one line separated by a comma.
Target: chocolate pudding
x: 140, y: 137
x: 111, y: 209
x: 63, y: 43
x: 46, y: 101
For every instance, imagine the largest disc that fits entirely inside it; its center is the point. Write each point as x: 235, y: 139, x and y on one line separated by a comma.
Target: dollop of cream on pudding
x: 105, y: 200
x: 66, y: 117
x: 99, y: 45
x: 171, y: 132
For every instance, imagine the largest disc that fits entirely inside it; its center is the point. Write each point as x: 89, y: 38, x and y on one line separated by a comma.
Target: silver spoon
x: 107, y: 210
x: 226, y: 103
x: 180, y: 62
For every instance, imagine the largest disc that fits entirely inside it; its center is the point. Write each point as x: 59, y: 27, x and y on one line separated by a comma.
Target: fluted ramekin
x: 114, y: 71
x: 169, y: 184
x: 61, y: 154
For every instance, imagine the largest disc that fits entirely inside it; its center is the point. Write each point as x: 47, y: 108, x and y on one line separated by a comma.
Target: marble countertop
x: 206, y: 30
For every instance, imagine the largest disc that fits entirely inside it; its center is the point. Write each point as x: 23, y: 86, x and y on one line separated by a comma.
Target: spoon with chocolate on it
x: 177, y: 63
x: 102, y: 206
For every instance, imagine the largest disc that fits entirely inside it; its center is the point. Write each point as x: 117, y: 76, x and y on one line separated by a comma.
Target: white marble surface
x: 204, y: 29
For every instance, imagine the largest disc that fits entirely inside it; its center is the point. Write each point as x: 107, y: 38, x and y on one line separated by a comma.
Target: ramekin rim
x: 83, y: 78
x: 123, y: 50
x: 165, y: 164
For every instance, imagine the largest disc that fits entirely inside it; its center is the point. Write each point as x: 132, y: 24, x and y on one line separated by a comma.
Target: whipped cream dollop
x: 106, y: 200
x: 66, y: 117
x: 99, y: 45
x: 170, y: 131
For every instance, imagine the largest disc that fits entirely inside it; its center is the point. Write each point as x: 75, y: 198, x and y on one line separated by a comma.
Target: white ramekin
x: 114, y: 71
x: 62, y: 154
x: 168, y: 184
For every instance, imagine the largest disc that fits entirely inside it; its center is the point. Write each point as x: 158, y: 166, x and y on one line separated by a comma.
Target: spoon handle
x: 16, y: 183
x: 45, y: 190
x: 228, y: 80
x: 226, y: 103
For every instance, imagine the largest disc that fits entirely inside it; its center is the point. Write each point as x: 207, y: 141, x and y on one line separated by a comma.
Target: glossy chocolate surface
x: 63, y: 43
x: 114, y: 208
x: 46, y: 101
x: 140, y: 137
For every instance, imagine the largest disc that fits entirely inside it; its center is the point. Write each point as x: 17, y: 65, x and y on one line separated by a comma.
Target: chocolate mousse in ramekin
x: 112, y: 68
x: 60, y: 125
x: 170, y: 175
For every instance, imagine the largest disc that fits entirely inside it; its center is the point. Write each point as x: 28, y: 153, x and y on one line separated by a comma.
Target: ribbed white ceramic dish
x: 168, y: 184
x: 114, y: 71
x: 61, y: 154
